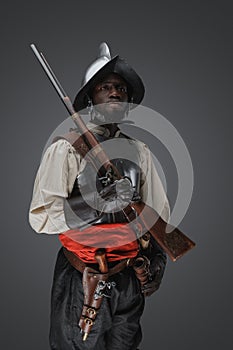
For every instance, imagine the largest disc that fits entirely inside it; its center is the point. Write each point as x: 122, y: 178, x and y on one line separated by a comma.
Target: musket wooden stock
x: 174, y: 243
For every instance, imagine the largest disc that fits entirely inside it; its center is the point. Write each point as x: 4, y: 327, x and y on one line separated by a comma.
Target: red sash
x: 119, y: 240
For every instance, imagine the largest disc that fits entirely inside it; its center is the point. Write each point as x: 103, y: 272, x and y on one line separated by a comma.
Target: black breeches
x: 117, y: 326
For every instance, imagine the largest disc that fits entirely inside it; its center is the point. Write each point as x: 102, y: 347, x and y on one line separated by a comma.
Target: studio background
x: 183, y: 52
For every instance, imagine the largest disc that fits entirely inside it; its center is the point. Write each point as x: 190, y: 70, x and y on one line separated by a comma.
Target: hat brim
x: 118, y: 66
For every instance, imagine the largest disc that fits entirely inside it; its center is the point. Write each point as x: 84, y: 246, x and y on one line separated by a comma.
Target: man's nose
x: 114, y: 92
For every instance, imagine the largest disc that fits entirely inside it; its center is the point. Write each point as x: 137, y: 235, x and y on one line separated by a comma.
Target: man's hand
x: 149, y: 273
x: 116, y: 196
x: 149, y: 288
x: 154, y: 280
x: 158, y: 261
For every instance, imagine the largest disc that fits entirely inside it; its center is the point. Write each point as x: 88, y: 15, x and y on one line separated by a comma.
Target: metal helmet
x: 103, y: 66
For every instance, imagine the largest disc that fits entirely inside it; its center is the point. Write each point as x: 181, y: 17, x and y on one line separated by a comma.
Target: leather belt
x: 80, y: 265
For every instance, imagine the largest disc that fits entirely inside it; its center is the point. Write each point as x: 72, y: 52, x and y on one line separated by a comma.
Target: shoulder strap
x: 76, y: 140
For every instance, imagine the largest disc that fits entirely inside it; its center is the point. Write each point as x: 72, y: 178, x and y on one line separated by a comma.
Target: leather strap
x: 76, y: 140
x: 79, y: 265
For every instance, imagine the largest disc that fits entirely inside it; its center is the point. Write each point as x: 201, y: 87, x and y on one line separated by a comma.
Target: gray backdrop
x: 183, y: 51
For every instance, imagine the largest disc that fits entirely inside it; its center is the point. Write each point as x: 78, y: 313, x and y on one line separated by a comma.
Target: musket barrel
x: 52, y: 77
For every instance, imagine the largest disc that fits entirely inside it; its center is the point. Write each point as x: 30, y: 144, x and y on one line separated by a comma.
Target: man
x: 108, y: 263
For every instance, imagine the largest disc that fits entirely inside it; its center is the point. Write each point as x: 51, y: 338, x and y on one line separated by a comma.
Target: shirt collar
x: 102, y: 130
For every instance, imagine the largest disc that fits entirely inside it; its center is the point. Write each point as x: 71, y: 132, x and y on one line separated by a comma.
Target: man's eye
x: 104, y: 88
x: 122, y: 89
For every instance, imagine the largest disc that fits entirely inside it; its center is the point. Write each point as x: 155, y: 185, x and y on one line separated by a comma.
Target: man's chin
x: 114, y: 117
x: 112, y: 112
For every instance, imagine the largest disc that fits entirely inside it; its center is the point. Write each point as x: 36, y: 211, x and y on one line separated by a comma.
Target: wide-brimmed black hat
x: 103, y: 66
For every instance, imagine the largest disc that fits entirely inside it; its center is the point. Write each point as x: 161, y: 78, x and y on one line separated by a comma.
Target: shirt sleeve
x: 54, y: 181
x: 152, y: 191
